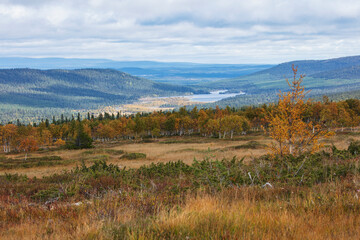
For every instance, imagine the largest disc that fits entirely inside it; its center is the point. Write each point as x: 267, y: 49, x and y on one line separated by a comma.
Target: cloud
x: 234, y: 31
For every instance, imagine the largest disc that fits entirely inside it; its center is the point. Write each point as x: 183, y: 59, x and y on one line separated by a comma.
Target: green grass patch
x: 10, y: 163
x: 131, y: 156
x: 188, y: 140
x: 209, y: 150
x: 179, y: 141
x: 103, y: 151
x: 251, y: 145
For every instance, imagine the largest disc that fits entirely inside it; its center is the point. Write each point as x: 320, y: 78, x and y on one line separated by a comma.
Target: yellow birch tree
x: 286, y: 126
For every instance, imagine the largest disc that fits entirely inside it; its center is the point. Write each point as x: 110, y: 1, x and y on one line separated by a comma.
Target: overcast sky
x: 208, y: 31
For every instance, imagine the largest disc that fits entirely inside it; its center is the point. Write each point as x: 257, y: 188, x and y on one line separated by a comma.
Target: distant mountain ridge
x: 181, y: 73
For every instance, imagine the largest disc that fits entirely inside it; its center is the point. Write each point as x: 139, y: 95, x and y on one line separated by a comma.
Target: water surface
x: 212, y: 97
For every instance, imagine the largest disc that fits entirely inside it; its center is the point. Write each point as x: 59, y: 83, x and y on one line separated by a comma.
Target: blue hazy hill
x: 182, y: 73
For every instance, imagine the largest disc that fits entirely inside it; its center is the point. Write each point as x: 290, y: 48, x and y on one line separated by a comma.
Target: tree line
x: 207, y: 122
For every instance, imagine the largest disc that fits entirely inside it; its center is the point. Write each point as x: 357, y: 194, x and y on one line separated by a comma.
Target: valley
x: 31, y: 95
x: 171, y: 172
x: 179, y: 120
x: 150, y: 104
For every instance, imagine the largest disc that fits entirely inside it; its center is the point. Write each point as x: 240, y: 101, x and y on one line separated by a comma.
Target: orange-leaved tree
x: 28, y: 144
x: 286, y: 126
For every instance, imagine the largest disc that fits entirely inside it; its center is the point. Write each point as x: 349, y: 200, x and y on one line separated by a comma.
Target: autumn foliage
x: 286, y: 124
x: 296, y: 124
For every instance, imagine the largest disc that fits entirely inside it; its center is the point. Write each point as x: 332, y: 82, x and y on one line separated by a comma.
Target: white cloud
x: 181, y: 30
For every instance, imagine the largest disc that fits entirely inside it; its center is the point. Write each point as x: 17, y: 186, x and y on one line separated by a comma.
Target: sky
x: 211, y: 31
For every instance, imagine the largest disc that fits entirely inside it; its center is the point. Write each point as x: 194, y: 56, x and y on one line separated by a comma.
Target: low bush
x: 313, y: 194
x: 178, y: 178
x: 47, y: 194
x: 354, y: 147
x: 16, y: 177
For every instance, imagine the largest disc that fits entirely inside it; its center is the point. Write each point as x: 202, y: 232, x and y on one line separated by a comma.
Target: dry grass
x: 156, y: 104
x: 213, y: 217
x: 197, y: 147
x: 181, y: 148
x: 246, y: 213
x: 330, y: 210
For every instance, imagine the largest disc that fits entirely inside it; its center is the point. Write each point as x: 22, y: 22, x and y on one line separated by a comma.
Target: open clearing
x: 185, y: 148
x: 311, y: 197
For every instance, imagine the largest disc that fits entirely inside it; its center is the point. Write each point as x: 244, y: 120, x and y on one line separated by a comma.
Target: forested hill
x: 75, y: 89
x: 338, y: 78
x: 314, y: 67
x: 320, y: 74
x: 352, y: 72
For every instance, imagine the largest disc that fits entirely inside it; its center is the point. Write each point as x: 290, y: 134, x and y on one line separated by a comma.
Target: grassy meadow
x: 182, y: 188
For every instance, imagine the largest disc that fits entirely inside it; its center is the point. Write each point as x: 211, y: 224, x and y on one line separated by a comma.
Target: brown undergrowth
x: 308, y: 197
x: 327, y: 211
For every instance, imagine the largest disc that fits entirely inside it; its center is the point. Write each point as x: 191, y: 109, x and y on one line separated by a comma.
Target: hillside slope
x: 311, y: 67
x: 336, y: 78
x: 75, y: 89
x: 319, y: 74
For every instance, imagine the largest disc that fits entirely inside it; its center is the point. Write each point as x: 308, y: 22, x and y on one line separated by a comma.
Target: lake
x: 212, y: 97
x: 203, y: 98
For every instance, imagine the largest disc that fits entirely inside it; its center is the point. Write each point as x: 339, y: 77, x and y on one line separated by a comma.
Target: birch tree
x: 286, y: 126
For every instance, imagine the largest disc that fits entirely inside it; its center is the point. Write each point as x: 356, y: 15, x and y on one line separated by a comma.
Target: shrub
x: 99, y: 168
x: 16, y: 177
x: 175, y: 179
x: 46, y: 194
x: 354, y: 148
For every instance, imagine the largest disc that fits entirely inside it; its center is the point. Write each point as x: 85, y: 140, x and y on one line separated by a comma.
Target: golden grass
x: 245, y: 213
x: 155, y: 152
x: 155, y: 104
x: 327, y: 211
x: 158, y: 152
x: 213, y: 218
